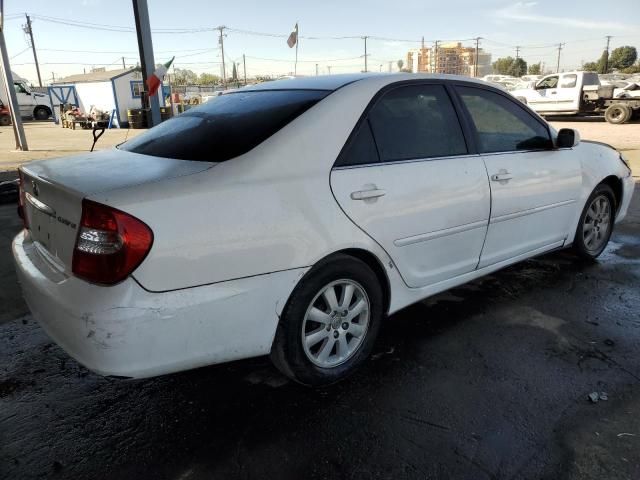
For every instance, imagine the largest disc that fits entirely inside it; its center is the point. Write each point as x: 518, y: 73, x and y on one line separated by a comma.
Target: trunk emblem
x: 34, y: 187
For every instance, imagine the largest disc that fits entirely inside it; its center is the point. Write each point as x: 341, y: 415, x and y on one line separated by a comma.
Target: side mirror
x: 567, y: 138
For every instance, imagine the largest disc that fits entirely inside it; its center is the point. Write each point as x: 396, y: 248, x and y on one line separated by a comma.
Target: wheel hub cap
x: 335, y: 323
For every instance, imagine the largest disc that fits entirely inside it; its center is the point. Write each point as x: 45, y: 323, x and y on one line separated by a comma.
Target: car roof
x: 334, y: 82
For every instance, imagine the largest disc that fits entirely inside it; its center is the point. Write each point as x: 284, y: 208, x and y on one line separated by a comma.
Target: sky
x: 258, y: 29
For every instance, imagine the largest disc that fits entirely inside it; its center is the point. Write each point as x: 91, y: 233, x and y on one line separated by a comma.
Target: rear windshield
x: 226, y: 126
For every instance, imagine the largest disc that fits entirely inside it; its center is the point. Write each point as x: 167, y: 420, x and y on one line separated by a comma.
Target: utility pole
x: 606, y: 63
x: 435, y: 56
x: 124, y: 65
x: 380, y: 68
x: 29, y: 31
x: 316, y: 69
x: 244, y: 68
x: 475, y: 70
x: 53, y: 76
x: 7, y: 76
x: 221, y: 43
x: 517, y: 52
x: 329, y: 69
x: 560, y: 45
x: 390, y: 66
x: 365, y: 53
x: 147, y: 62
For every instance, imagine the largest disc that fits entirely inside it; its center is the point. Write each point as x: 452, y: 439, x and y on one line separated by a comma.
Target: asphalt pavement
x: 487, y: 381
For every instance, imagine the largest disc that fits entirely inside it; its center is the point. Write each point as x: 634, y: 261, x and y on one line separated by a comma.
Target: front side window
x: 549, y: 82
x: 226, y: 126
x: 502, y: 125
x: 20, y: 88
x: 416, y: 121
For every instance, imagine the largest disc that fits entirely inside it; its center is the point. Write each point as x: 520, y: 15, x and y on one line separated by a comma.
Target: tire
x: 5, y: 120
x: 41, y: 113
x: 304, y: 347
x: 617, y: 113
x: 594, y: 217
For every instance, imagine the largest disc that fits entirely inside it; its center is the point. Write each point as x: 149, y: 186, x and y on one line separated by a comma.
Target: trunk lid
x: 54, y: 190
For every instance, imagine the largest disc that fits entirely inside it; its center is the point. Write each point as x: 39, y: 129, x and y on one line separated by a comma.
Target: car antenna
x: 96, y: 137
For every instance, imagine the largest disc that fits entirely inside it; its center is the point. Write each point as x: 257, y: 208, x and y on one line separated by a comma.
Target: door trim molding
x: 423, y: 237
x: 530, y: 211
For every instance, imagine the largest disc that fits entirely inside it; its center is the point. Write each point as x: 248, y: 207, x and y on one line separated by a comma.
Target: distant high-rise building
x: 451, y: 58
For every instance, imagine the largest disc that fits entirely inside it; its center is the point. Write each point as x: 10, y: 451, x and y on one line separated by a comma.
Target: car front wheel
x: 596, y: 223
x: 329, y: 325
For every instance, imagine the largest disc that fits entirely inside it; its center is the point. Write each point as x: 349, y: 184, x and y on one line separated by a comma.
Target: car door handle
x: 367, y: 194
x: 501, y: 177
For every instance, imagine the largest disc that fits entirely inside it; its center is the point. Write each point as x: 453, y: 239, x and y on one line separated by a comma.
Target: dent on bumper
x: 125, y: 330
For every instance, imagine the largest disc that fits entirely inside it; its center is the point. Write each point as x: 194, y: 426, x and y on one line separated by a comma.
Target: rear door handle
x: 503, y: 176
x: 367, y: 194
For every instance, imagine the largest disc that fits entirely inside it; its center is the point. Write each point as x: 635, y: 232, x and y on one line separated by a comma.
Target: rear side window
x: 361, y: 149
x: 226, y: 126
x: 569, y: 81
x: 416, y: 121
x: 502, y: 125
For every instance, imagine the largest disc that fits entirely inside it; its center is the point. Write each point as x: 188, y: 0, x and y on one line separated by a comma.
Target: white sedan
x: 290, y: 218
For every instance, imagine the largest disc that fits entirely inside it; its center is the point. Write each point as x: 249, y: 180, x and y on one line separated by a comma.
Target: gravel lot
x: 489, y: 380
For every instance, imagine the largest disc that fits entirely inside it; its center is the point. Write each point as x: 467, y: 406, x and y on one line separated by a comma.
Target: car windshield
x: 226, y: 126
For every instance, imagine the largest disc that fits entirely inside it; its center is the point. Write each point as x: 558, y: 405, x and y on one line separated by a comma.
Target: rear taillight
x: 110, y: 245
x: 21, y: 199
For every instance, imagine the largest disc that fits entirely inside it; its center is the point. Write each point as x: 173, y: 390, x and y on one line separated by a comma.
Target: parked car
x: 579, y: 93
x: 292, y: 217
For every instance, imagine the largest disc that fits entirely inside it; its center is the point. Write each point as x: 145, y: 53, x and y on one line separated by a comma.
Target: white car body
x: 564, y: 97
x: 233, y: 239
x: 28, y: 100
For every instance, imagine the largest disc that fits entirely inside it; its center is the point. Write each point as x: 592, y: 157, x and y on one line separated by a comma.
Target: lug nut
x: 335, y: 334
x: 345, y: 325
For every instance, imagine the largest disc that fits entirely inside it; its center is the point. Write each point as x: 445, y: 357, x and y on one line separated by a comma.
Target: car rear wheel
x: 596, y: 223
x: 41, y: 113
x: 617, y: 113
x: 330, y: 323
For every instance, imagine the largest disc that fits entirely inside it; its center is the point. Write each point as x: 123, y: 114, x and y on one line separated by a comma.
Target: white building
x: 108, y: 90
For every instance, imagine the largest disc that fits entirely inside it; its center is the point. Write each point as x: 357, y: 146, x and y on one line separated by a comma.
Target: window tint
x: 416, y: 121
x: 569, y: 81
x: 361, y: 149
x: 502, y: 125
x: 20, y: 88
x: 226, y: 126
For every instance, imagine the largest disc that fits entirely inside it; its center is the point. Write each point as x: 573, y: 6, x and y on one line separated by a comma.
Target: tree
x: 502, y: 65
x: 518, y: 68
x: 208, y: 79
x: 535, y: 68
x: 603, y: 63
x: 234, y: 74
x: 623, y: 57
x: 632, y: 69
x: 590, y: 66
x: 184, y: 77
x: 400, y: 64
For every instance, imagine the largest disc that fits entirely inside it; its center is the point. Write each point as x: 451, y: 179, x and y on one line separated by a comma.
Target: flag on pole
x: 155, y: 80
x: 293, y: 37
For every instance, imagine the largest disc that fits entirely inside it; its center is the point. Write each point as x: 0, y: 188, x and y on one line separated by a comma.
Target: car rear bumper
x: 124, y: 330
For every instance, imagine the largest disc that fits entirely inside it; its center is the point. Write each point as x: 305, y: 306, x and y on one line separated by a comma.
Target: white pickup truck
x: 578, y: 93
x: 32, y: 104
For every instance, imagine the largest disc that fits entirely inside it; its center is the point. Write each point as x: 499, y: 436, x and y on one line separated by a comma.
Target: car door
x: 534, y: 188
x: 406, y: 178
x: 545, y: 99
x: 25, y: 100
x: 568, y: 93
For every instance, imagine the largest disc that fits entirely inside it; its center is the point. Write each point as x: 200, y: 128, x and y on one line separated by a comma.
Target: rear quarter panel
x: 269, y: 210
